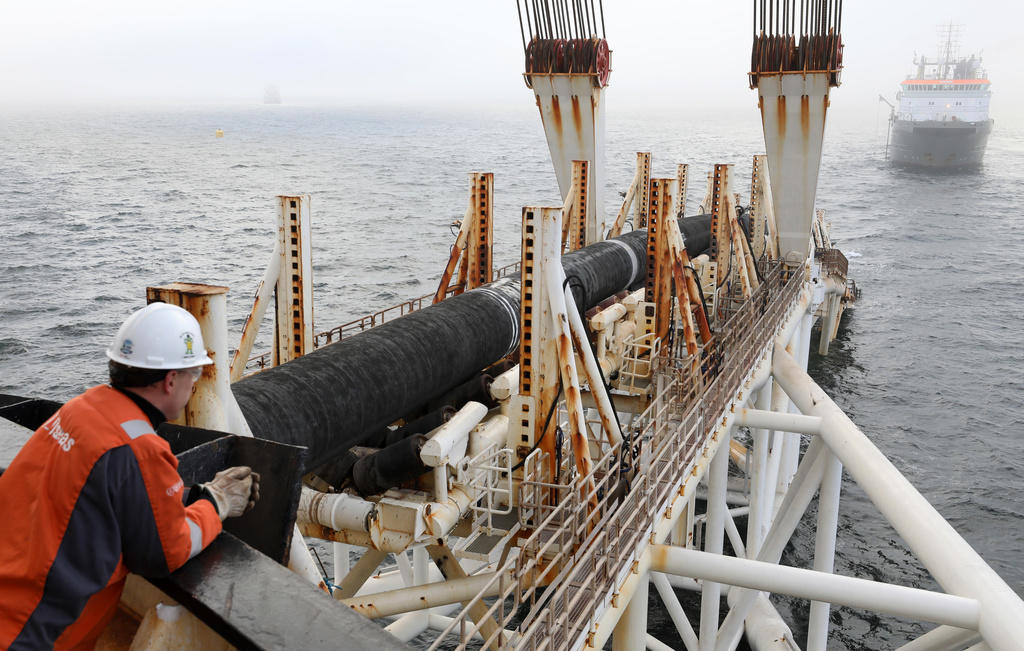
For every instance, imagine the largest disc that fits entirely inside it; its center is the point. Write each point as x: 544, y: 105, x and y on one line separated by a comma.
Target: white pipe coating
x: 441, y: 483
x: 631, y: 629
x: 493, y: 431
x: 654, y: 644
x: 765, y: 629
x: 949, y: 558
x: 942, y: 638
x: 778, y: 420
x: 801, y: 490
x: 825, y: 547
x: 808, y: 584
x: 734, y: 534
x: 758, y: 487
x: 448, y: 443
x: 607, y: 317
x: 675, y: 610
x: 834, y: 287
x: 419, y: 597
x: 506, y: 385
x: 337, y: 511
x: 718, y: 475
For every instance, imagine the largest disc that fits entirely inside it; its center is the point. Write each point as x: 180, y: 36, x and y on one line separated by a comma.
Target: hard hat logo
x: 187, y: 338
x: 126, y: 348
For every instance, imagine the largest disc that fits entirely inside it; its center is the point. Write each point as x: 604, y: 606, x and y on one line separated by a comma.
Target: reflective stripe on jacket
x: 93, y: 494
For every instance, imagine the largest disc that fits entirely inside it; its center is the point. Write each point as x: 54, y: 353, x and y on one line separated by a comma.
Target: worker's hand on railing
x: 234, y: 491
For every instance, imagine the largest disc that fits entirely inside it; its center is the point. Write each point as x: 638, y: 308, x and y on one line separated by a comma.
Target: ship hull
x: 937, y: 144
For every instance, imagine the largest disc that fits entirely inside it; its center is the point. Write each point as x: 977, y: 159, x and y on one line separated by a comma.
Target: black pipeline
x: 334, y: 397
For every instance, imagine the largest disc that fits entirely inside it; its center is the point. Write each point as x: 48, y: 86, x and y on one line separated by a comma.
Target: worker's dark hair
x: 123, y: 377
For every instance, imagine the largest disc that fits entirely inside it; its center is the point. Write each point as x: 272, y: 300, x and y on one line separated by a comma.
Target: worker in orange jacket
x: 95, y: 493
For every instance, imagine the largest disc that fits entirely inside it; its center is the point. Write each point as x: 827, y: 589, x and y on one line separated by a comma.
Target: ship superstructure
x: 942, y: 119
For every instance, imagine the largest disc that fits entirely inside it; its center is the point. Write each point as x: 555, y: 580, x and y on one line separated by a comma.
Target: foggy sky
x: 667, y: 56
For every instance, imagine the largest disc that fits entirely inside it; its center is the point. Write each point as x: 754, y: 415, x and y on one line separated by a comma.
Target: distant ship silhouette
x: 272, y: 95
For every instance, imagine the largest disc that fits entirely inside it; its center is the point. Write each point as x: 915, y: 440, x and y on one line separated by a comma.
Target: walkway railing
x: 576, y: 557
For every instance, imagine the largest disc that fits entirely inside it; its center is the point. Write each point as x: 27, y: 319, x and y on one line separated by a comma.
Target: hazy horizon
x: 456, y: 55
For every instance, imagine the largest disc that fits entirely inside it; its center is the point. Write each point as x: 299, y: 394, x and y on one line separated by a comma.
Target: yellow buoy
x: 220, y: 133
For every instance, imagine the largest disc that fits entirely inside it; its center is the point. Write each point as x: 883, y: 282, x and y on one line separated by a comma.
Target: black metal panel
x: 268, y: 527
x: 254, y: 603
x: 27, y: 412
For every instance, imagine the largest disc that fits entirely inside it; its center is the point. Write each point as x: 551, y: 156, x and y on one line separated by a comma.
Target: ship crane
x: 516, y: 458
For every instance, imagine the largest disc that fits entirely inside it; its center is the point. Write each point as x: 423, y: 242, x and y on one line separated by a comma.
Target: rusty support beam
x: 478, y: 243
x: 682, y: 183
x: 453, y: 259
x: 529, y: 425
x: 757, y: 204
x: 293, y: 325
x: 658, y: 290
x: 577, y: 225
x: 643, y: 165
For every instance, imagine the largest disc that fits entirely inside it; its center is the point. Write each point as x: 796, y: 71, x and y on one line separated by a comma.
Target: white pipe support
x: 493, y: 431
x: 335, y: 510
x: 607, y: 317
x: 441, y: 483
x: 764, y: 628
x: 394, y: 580
x: 809, y: 584
x: 777, y: 420
x: 631, y: 629
x: 447, y: 443
x: 942, y: 638
x: 441, y: 517
x: 675, y: 610
x: 342, y: 562
x: 758, y: 488
x: 805, y: 484
x: 734, y: 534
x: 419, y: 597
x: 598, y: 390
x: 825, y: 547
x: 718, y: 475
x: 640, y: 574
x: 409, y: 626
x: 792, y: 323
x: 506, y: 385
x: 654, y: 644
x: 440, y: 622
x: 950, y: 559
x: 834, y: 287
x: 944, y: 553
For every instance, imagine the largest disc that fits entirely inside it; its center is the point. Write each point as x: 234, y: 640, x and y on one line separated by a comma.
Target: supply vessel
x: 942, y: 118
x: 517, y: 459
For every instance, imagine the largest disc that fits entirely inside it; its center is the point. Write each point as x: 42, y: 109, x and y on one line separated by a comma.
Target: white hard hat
x: 159, y: 336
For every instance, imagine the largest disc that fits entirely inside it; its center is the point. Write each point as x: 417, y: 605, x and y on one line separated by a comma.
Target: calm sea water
x: 96, y: 205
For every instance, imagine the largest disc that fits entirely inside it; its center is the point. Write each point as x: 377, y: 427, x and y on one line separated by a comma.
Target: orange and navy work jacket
x: 93, y: 494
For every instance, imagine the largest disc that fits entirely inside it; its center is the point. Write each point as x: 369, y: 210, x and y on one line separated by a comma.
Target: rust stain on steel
x: 805, y: 116
x: 780, y: 118
x: 556, y: 115
x: 577, y: 120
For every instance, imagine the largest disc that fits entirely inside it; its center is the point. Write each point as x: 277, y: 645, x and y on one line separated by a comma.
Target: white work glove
x: 235, y: 491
